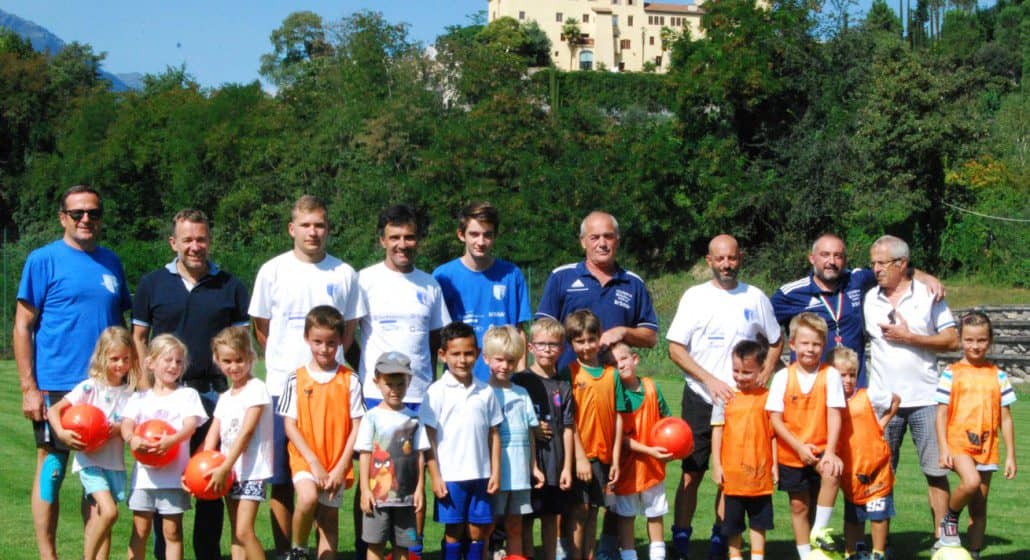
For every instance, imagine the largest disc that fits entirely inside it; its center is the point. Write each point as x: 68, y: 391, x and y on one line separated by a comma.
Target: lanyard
x: 835, y: 315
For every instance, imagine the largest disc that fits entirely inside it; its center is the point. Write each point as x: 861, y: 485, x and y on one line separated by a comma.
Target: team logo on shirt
x: 110, y: 282
x: 499, y: 291
x: 577, y: 286
x: 330, y: 289
x: 623, y: 298
x: 749, y: 315
x: 421, y: 297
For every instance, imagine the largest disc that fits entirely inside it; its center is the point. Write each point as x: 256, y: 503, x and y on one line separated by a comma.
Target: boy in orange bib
x: 805, y: 402
x: 640, y: 489
x: 743, y: 455
x: 322, y: 409
x: 867, y: 481
x: 974, y: 398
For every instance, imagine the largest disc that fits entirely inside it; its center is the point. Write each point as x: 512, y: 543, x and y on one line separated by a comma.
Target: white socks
x: 822, y: 517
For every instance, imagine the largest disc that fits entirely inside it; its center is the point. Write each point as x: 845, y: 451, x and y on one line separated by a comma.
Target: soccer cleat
x: 949, y: 532
x: 298, y: 554
x: 823, y: 539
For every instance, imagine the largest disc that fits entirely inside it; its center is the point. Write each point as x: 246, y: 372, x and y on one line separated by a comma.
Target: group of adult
x: 73, y: 288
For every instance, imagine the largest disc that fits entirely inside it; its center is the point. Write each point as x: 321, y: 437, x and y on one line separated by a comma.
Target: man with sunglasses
x: 70, y: 291
x: 908, y: 327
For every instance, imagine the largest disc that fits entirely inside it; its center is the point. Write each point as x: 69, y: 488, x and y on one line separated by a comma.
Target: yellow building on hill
x: 617, y: 35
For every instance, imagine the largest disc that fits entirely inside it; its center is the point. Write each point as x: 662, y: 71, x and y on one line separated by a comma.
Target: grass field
x: 1008, y: 535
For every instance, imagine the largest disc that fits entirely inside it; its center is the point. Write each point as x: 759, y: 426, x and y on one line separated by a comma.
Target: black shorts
x: 799, y: 479
x: 593, y: 492
x: 698, y: 415
x: 549, y: 500
x: 759, y: 510
x: 45, y: 437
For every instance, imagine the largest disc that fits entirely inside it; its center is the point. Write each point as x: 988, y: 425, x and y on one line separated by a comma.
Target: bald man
x: 711, y: 319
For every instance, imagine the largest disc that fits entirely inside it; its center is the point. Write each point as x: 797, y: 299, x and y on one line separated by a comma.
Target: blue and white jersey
x: 76, y: 294
x: 841, y: 309
x: 481, y: 299
x: 623, y: 302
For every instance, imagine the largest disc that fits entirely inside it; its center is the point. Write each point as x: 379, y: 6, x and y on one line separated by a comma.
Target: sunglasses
x: 78, y: 214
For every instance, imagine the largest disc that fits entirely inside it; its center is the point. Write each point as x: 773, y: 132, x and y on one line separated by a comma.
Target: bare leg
x: 978, y: 513
x: 513, y: 526
x: 735, y: 544
x: 171, y: 527
x: 376, y: 551
x: 245, y: 544
x: 584, y: 531
x: 799, y: 502
x: 141, y: 521
x: 103, y: 515
x: 937, y: 491
x: 758, y: 541
x: 686, y: 499
x: 304, y: 512
x: 626, y: 541
x: 854, y: 533
x: 879, y: 531
x: 328, y: 520
x: 281, y: 515
x: 44, y: 515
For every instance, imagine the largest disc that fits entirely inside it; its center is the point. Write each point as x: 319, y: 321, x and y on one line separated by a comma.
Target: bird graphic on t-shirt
x: 384, y: 479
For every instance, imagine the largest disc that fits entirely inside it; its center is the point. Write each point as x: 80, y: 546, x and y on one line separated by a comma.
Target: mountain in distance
x: 46, y: 42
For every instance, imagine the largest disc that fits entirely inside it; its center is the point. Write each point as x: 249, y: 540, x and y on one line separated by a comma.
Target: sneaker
x: 298, y: 554
x: 949, y: 533
x: 559, y: 551
x: 823, y: 539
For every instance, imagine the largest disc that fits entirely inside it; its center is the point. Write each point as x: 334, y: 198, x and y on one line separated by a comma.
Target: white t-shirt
x: 462, y: 417
x: 173, y: 408
x: 111, y: 401
x: 288, y: 406
x: 402, y: 310
x: 710, y: 321
x: 519, y: 421
x: 909, y: 371
x: 778, y: 388
x: 285, y: 290
x: 255, y: 463
x: 394, y: 439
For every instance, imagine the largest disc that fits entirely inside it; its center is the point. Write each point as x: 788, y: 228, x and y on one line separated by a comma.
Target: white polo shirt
x: 909, y: 371
x: 462, y: 417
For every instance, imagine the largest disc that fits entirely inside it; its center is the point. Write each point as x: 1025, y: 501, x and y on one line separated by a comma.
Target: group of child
x: 536, y: 444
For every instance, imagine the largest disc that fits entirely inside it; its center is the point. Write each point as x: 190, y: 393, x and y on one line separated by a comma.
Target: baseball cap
x: 393, y: 362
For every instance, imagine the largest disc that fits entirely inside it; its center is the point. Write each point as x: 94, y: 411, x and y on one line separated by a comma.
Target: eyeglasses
x: 78, y: 214
x: 884, y: 264
x: 547, y: 345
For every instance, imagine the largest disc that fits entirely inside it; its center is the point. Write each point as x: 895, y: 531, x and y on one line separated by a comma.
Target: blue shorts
x: 96, y: 479
x: 880, y: 509
x: 280, y: 455
x: 371, y: 403
x: 466, y: 502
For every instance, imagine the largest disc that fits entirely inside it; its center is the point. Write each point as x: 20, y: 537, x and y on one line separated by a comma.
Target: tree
x: 300, y: 39
x: 573, y: 37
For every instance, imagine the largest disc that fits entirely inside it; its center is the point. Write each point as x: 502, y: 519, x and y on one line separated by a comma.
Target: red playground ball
x: 674, y: 435
x: 152, y: 430
x: 200, y: 463
x: 88, y: 422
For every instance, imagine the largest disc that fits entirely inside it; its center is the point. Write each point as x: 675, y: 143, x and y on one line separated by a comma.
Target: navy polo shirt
x: 805, y: 295
x: 623, y: 302
x: 217, y: 301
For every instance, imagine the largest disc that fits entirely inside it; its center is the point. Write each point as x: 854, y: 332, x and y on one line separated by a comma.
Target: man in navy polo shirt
x: 617, y: 296
x: 835, y: 293
x: 193, y: 299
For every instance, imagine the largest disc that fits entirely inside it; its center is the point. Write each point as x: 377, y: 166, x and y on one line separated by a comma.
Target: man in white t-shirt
x: 907, y: 328
x: 406, y: 308
x: 286, y: 288
x: 711, y: 318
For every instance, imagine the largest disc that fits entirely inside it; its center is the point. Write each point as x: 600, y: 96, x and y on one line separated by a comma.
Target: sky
x: 220, y: 41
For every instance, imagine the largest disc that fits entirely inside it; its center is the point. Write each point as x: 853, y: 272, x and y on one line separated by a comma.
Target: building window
x: 522, y: 16
x: 663, y: 20
x: 624, y: 44
x: 629, y: 21
x: 650, y: 20
x: 615, y: 21
x: 586, y: 60
x: 650, y: 40
x: 622, y: 67
x: 658, y: 61
x: 559, y: 17
x: 586, y: 18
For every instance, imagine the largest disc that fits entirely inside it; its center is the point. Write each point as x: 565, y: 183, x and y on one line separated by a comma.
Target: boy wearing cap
x: 390, y: 441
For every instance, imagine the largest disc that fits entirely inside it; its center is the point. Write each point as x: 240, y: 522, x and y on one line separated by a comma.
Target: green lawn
x: 1008, y: 538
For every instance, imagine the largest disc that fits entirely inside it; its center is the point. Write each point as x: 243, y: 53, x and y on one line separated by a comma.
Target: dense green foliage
x: 771, y: 128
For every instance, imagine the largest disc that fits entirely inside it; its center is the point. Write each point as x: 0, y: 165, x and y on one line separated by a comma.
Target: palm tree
x: 573, y: 36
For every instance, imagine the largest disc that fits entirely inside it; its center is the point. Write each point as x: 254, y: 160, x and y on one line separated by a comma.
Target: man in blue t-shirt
x: 480, y: 290
x: 617, y: 296
x: 835, y: 293
x: 70, y: 291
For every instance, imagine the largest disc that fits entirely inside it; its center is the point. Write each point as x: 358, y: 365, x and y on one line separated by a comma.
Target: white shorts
x: 323, y: 496
x: 649, y: 503
x: 166, y: 501
x: 512, y: 502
